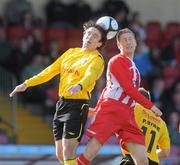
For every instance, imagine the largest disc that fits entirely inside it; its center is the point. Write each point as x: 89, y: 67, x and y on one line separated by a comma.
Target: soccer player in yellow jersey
x: 78, y: 68
x: 157, y: 140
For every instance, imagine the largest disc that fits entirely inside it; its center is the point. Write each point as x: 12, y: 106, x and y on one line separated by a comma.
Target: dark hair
x: 145, y: 93
x: 90, y: 24
x: 123, y: 31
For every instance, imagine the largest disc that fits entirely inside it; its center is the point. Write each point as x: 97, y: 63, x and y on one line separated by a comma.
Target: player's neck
x: 84, y: 49
x: 128, y: 55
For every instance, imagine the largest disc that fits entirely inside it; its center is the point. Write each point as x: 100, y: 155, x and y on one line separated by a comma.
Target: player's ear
x: 135, y: 42
x: 99, y: 44
x: 119, y: 45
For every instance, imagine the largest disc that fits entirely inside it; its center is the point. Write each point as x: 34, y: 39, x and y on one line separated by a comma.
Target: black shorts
x: 70, y: 118
x: 127, y: 160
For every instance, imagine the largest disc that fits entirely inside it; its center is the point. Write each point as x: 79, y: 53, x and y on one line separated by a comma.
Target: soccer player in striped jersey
x: 78, y: 68
x: 115, y: 109
x: 157, y: 140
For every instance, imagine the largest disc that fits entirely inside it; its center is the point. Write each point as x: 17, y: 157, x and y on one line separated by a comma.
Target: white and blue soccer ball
x: 109, y: 24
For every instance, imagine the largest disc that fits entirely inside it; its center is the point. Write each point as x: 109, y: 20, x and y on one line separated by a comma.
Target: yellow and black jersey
x: 154, y: 129
x: 74, y: 67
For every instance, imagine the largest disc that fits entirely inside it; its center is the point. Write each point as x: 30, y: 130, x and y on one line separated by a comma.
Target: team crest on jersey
x: 83, y: 62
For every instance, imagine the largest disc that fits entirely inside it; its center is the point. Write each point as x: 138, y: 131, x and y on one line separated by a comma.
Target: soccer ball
x: 109, y: 24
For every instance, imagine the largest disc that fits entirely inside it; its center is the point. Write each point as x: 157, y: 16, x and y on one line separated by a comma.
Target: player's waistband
x: 73, y: 100
x: 120, y: 103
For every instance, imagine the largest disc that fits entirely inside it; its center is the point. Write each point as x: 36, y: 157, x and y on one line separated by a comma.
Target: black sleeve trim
x: 81, y: 86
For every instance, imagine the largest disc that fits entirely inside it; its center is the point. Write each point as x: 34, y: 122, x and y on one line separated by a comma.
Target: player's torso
x: 114, y: 89
x: 73, y: 68
x: 151, y: 127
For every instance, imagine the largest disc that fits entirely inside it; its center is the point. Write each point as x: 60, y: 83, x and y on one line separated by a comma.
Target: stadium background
x: 33, y: 34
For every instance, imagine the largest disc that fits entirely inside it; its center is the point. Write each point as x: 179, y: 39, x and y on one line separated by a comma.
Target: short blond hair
x: 123, y: 31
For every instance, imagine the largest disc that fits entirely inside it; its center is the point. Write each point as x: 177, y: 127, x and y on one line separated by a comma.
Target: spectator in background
x: 173, y: 121
x: 54, y: 49
x: 155, y: 58
x: 98, y: 89
x: 29, y: 46
x: 16, y: 61
x: 33, y: 68
x: 27, y: 20
x: 57, y: 14
x: 173, y: 103
x: 141, y: 57
x: 37, y: 46
x: 171, y: 53
x: 137, y: 26
x: 117, y: 9
x: 173, y: 125
x: 112, y: 7
x: 5, y: 48
x: 122, y: 18
x: 3, y: 136
x: 171, y: 61
x: 35, y: 95
x: 176, y: 99
x: 157, y: 91
x: 80, y: 12
x: 15, y: 9
x: 2, y: 21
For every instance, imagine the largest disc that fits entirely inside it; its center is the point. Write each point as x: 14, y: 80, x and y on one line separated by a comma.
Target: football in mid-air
x: 109, y: 24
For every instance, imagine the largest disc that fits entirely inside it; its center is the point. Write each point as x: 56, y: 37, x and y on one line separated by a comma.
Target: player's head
x: 126, y: 41
x: 94, y: 36
x: 145, y: 93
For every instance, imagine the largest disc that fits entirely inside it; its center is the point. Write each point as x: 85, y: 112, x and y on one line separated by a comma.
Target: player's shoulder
x: 97, y: 56
x: 70, y: 50
x: 119, y: 59
x: 74, y: 49
x: 163, y: 123
x: 116, y: 57
x: 101, y: 58
x: 143, y: 112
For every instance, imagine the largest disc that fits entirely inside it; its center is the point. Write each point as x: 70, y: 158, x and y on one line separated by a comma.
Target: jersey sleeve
x: 93, y: 72
x: 164, y: 140
x: 121, y: 71
x: 47, y: 73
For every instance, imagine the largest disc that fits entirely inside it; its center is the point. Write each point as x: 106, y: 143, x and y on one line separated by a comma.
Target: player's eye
x: 130, y: 38
x: 95, y: 35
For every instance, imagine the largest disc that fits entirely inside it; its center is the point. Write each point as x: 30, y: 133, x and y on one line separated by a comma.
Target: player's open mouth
x: 88, y: 42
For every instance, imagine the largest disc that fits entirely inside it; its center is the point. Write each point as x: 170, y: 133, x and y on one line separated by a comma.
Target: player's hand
x: 156, y: 110
x: 19, y: 88
x: 74, y: 89
x: 92, y: 112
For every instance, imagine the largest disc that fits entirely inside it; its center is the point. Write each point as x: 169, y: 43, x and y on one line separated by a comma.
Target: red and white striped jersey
x: 123, y: 81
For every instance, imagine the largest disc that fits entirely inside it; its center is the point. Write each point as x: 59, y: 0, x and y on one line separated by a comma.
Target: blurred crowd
x: 29, y: 43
